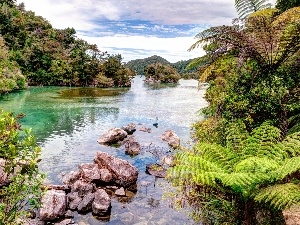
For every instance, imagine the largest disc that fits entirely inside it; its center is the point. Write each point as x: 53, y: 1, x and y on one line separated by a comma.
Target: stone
x: 102, y: 202
x: 65, y: 222
x: 73, y: 200
x: 130, y: 128
x: 89, y: 171
x: 105, y: 175
x: 132, y: 147
x: 112, y: 136
x: 4, y: 177
x: 145, y: 129
x: 122, y: 171
x: 171, y: 137
x: 82, y: 187
x: 156, y: 170
x: 54, y: 204
x: 168, y: 160
x: 69, y: 214
x: 86, y: 203
x: 292, y: 216
x: 120, y: 192
x: 71, y: 177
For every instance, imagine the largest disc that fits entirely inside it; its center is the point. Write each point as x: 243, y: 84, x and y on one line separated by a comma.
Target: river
x: 68, y: 121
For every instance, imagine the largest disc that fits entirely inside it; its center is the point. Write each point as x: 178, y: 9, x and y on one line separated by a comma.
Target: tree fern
x: 246, y: 7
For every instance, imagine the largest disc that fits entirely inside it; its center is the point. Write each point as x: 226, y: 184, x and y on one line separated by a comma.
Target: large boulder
x: 4, y: 177
x: 113, y: 135
x: 122, y: 171
x: 54, y: 204
x: 171, y: 137
x: 101, y: 202
x: 86, y: 204
x: 89, y: 171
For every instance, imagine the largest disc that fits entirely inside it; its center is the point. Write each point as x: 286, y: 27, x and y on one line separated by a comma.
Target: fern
x: 280, y: 196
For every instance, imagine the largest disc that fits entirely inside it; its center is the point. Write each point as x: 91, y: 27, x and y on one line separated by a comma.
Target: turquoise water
x: 68, y: 121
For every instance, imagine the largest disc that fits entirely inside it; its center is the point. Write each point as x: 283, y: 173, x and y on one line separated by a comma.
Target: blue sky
x: 138, y: 28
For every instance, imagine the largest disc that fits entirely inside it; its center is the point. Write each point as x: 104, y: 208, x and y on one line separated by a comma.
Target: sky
x: 138, y: 29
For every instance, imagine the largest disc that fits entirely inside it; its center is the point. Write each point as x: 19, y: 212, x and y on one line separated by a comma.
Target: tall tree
x: 284, y: 5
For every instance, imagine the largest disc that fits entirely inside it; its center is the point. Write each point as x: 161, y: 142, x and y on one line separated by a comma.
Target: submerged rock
x: 145, y: 129
x: 132, y: 147
x: 156, y: 170
x: 54, y: 204
x: 130, y: 128
x: 123, y: 172
x: 112, y: 136
x: 171, y: 137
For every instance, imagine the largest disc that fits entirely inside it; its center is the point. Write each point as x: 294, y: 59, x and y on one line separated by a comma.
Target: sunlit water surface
x: 68, y: 121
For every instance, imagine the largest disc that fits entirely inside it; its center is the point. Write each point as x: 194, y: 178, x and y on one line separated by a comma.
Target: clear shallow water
x: 68, y: 121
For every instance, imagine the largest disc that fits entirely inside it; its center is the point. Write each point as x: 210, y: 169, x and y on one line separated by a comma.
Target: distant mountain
x: 140, y: 64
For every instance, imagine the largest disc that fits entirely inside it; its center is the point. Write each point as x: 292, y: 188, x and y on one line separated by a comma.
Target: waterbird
x: 156, y: 123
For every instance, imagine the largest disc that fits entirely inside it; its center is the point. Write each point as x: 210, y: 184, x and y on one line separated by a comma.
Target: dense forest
x: 244, y: 167
x: 139, y: 65
x: 33, y: 52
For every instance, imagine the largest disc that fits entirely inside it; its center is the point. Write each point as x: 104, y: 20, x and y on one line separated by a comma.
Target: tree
x: 162, y: 73
x: 245, y: 7
x: 18, y: 154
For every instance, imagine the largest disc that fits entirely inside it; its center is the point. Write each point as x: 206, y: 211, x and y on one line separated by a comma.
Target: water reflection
x: 68, y: 121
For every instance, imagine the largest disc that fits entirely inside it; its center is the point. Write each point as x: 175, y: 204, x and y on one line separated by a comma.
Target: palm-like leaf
x: 246, y: 7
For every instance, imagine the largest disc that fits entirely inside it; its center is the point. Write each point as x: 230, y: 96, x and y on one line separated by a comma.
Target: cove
x: 68, y: 121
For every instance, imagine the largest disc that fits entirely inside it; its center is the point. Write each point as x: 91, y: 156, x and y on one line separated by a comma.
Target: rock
x: 89, y: 171
x: 292, y: 216
x: 69, y: 214
x: 83, y: 188
x: 73, y: 200
x: 71, y: 178
x: 156, y: 170
x: 101, y: 202
x: 120, y: 192
x: 122, y: 171
x: 65, y: 188
x: 54, y: 204
x: 130, y: 128
x: 113, y: 135
x: 171, y: 137
x: 86, y: 203
x: 65, y: 222
x: 168, y: 160
x: 144, y: 129
x: 4, y: 177
x: 105, y: 175
x: 132, y: 147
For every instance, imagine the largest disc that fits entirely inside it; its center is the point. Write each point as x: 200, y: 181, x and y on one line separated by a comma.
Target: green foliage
x: 284, y: 5
x: 161, y: 73
x: 20, y: 152
x: 246, y: 7
x: 255, y: 167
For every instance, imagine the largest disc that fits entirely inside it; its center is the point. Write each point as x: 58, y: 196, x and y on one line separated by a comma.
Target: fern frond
x: 266, y: 133
x: 288, y: 167
x: 280, y: 196
x: 256, y: 165
x: 246, y: 7
x: 291, y: 144
x: 205, y: 178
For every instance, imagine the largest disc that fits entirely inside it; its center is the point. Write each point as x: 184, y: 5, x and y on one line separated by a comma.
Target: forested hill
x: 140, y: 64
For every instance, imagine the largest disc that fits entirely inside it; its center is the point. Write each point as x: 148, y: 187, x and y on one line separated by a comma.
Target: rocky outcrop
x: 54, y: 204
x: 123, y: 172
x: 112, y: 136
x: 171, y: 137
x: 102, y: 202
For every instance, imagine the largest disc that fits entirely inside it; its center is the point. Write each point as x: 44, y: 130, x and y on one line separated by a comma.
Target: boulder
x: 292, y: 216
x: 101, y: 202
x: 145, y: 129
x: 132, y: 147
x: 171, y: 137
x: 54, y: 204
x: 105, y: 175
x: 73, y: 200
x: 130, y: 128
x: 83, y: 188
x: 123, y: 172
x: 168, y: 160
x: 156, y: 170
x: 89, y: 171
x: 71, y: 177
x: 86, y: 204
x: 113, y: 135
x: 120, y: 192
x: 4, y: 177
